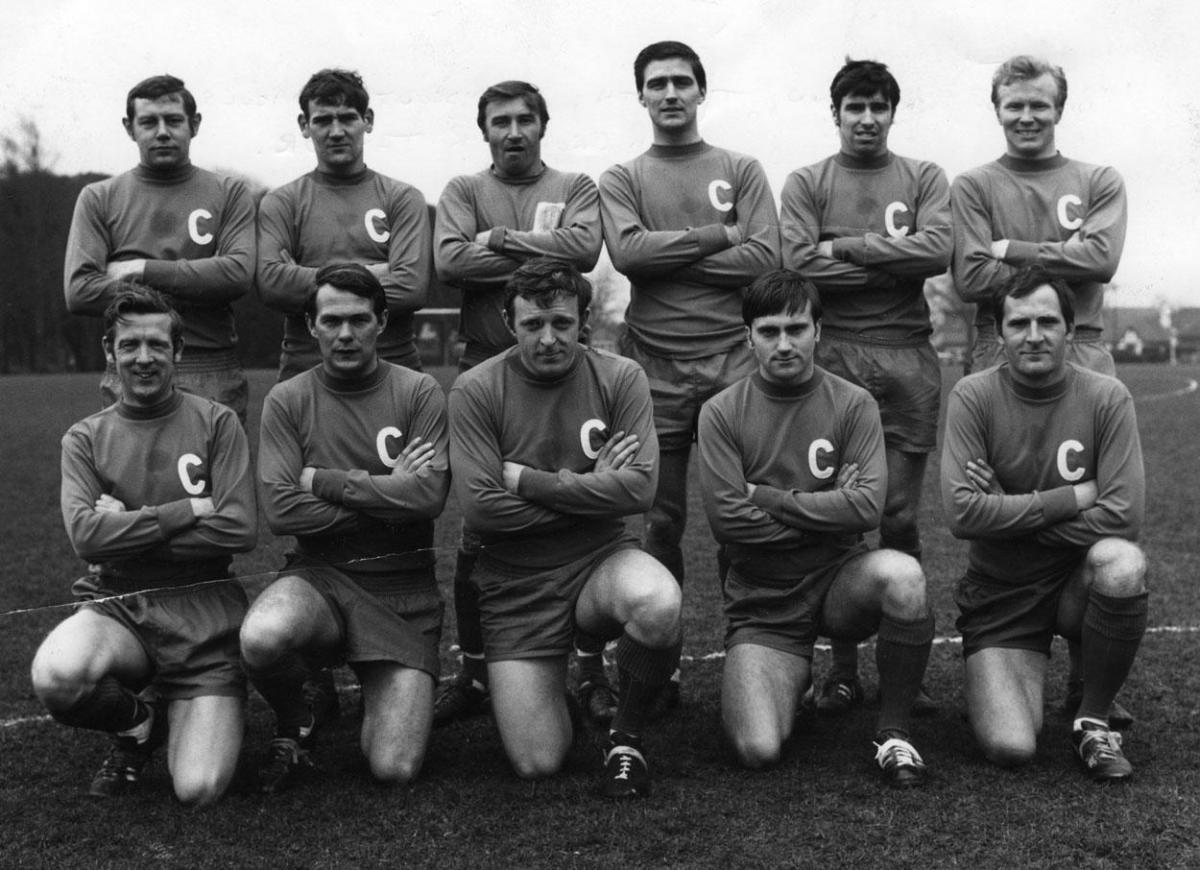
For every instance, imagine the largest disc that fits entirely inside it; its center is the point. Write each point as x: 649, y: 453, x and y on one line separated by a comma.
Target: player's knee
x: 57, y: 687
x: 655, y: 612
x: 903, y: 585
x: 262, y: 638
x: 1006, y: 751
x: 756, y: 751
x: 1117, y: 567
x: 536, y: 762
x: 394, y: 770
x: 200, y: 788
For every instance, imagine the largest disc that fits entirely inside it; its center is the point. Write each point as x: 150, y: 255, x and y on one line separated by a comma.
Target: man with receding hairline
x: 488, y: 224
x: 1033, y: 206
x: 1042, y: 472
x: 187, y: 232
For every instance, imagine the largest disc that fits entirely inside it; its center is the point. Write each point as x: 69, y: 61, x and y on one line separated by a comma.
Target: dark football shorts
x: 997, y: 614
x: 189, y: 634
x: 402, y: 626
x: 905, y: 381
x: 785, y: 618
x: 678, y: 387
x: 532, y: 615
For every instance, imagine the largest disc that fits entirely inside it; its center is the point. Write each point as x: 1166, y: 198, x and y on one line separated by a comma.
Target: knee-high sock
x: 589, y: 651
x: 1112, y: 632
x: 466, y: 616
x: 282, y: 686
x: 642, y: 672
x: 108, y: 707
x: 901, y: 653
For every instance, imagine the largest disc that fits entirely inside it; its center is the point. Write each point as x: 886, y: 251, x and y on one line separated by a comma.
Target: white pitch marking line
x: 1192, y: 386
x: 707, y: 657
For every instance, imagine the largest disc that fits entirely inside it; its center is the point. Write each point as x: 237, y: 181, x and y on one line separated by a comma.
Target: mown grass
x: 822, y: 806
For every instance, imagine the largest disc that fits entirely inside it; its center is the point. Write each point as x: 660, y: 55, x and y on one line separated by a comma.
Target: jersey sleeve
x: 976, y: 272
x: 460, y: 259
x: 835, y: 509
x: 86, y: 286
x: 1093, y: 252
x: 611, y: 492
x: 920, y: 254
x: 975, y: 514
x: 223, y: 277
x: 233, y: 525
x: 282, y: 285
x: 100, y: 536
x: 409, y: 261
x: 1121, y: 482
x: 477, y: 471
x: 640, y: 252
x: 577, y: 238
x: 758, y: 226
x: 289, y: 508
x: 401, y: 495
x: 800, y: 231
x: 734, y: 518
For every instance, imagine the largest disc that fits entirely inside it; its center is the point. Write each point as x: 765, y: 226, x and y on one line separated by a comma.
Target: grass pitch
x: 822, y: 806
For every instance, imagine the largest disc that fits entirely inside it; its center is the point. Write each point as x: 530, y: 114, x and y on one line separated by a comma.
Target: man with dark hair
x: 342, y: 212
x: 162, y: 611
x: 183, y: 230
x: 1032, y: 206
x: 792, y: 469
x: 868, y: 226
x: 690, y: 225
x: 353, y: 462
x: 1042, y: 472
x: 552, y: 444
x: 488, y: 224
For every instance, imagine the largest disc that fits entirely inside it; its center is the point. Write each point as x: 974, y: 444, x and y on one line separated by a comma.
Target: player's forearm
x: 282, y: 286
x: 100, y: 536
x: 462, y: 262
x: 577, y: 244
x: 1080, y: 258
x: 920, y: 255
x: 858, y: 509
x: 209, y: 281
x: 399, y: 496
x: 612, y: 493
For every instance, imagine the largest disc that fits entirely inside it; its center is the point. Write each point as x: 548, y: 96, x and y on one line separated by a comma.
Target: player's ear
x: 312, y: 327
x: 128, y: 125
x: 302, y: 123
x: 383, y: 316
x: 369, y: 117
x: 177, y: 349
x: 749, y: 340
x: 109, y: 354
x: 194, y: 123
x: 583, y: 318
x: 817, y: 331
x: 833, y: 110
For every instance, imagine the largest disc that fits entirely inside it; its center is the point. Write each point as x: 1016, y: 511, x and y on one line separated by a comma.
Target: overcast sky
x: 1132, y: 69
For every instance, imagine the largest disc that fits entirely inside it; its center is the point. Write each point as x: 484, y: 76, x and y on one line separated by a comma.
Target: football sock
x: 108, y: 707
x: 845, y: 661
x: 1112, y: 631
x: 901, y: 653
x: 467, y: 618
x: 641, y: 673
x: 282, y: 686
x: 589, y: 652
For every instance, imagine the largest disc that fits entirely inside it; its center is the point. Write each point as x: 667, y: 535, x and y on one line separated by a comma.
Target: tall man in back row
x: 342, y: 211
x: 185, y: 231
x: 488, y: 224
x: 1032, y: 206
x: 552, y: 445
x: 868, y: 226
x: 690, y: 225
x: 157, y: 495
x: 1042, y: 472
x: 354, y: 463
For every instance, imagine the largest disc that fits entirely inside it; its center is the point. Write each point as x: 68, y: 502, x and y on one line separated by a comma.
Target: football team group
x: 791, y: 345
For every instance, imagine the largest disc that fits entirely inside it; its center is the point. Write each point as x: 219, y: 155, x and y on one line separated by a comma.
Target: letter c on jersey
x: 713, y: 187
x: 369, y: 219
x: 194, y: 226
x: 818, y: 471
x: 1064, y: 454
x: 585, y: 437
x: 381, y: 445
x: 186, y: 461
x: 889, y: 220
x: 1064, y: 218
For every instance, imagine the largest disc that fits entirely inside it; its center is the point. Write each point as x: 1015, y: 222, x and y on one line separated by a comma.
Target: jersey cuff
x: 175, y: 516
x: 1059, y: 504
x: 329, y: 484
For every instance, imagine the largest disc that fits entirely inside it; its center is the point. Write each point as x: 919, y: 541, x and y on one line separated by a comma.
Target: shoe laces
x: 1101, y: 743
x: 895, y: 752
x: 626, y: 756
